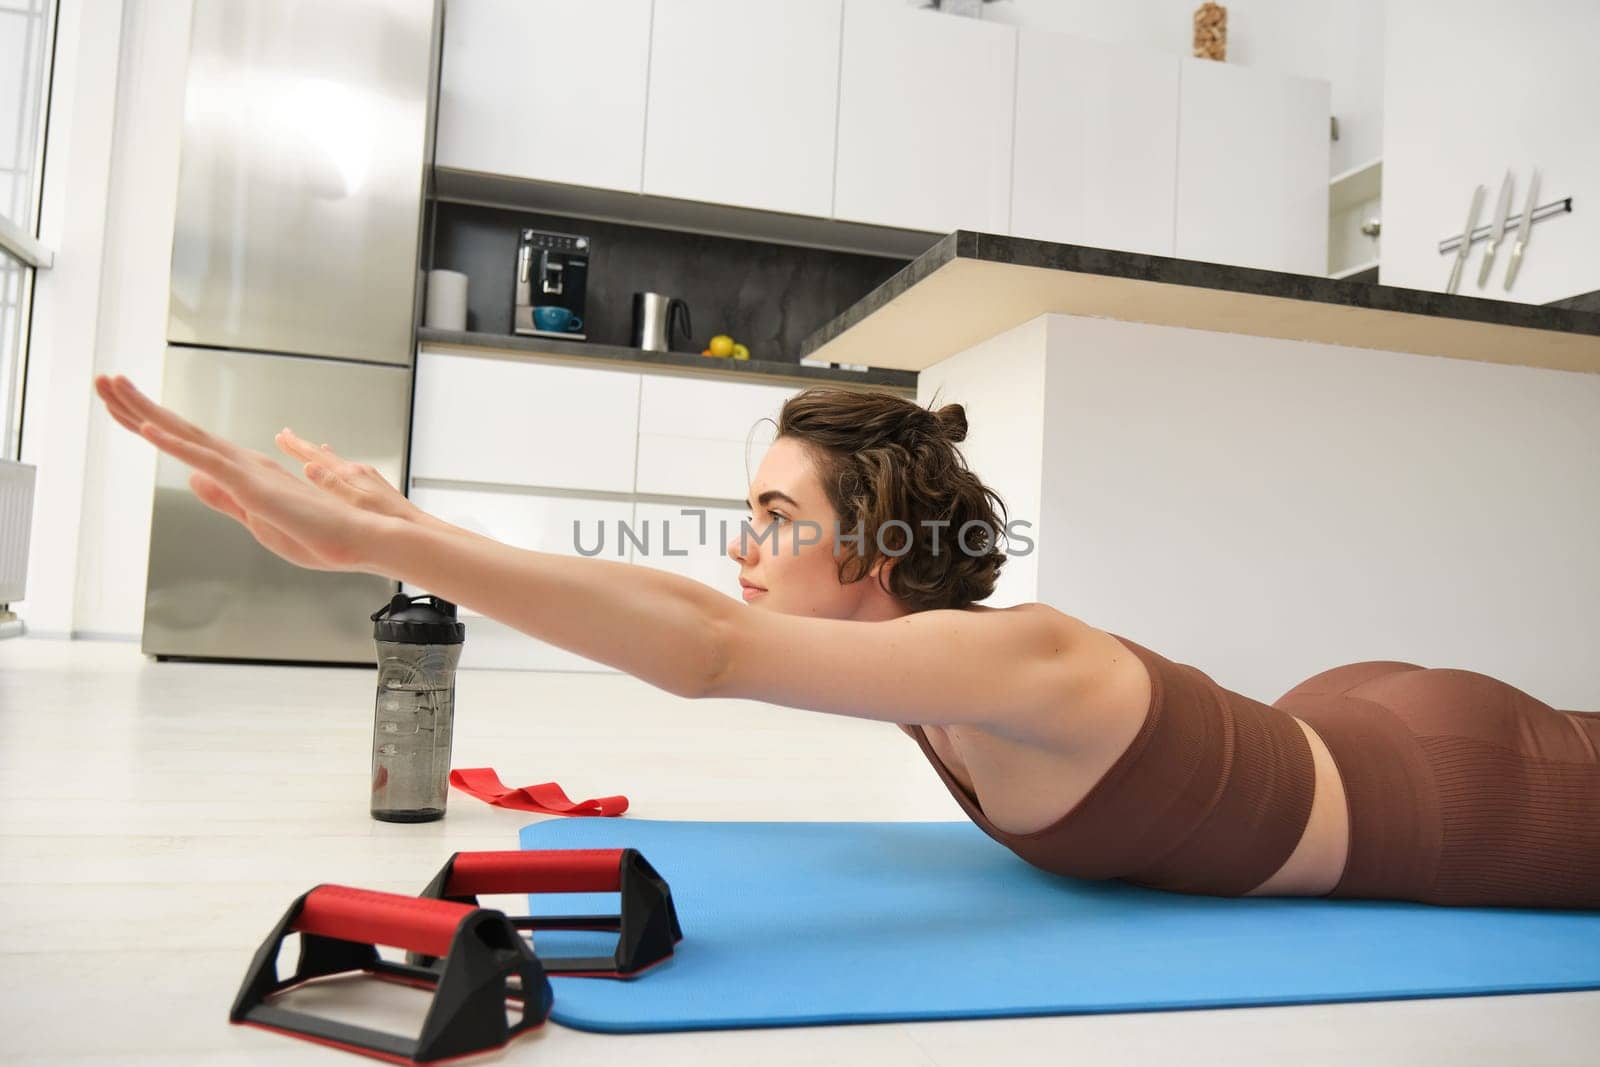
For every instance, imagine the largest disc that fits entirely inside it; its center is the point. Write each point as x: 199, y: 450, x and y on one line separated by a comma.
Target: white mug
x: 446, y: 305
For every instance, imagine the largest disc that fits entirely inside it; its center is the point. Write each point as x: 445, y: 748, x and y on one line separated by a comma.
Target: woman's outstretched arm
x: 1016, y: 670
x: 1023, y: 672
x: 1001, y: 669
x: 657, y: 626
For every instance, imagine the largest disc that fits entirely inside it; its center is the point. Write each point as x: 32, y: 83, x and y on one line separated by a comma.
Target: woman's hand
x: 304, y: 524
x: 355, y: 483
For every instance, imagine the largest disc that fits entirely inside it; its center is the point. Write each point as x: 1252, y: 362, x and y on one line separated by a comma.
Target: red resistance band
x: 546, y: 799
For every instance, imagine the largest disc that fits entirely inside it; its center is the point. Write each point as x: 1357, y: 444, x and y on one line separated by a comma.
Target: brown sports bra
x: 1211, y: 796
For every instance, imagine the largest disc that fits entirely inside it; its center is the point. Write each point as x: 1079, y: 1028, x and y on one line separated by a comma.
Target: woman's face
x: 795, y: 577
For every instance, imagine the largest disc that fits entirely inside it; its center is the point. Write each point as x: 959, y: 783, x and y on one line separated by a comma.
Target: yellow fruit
x: 741, y: 352
x: 722, y: 345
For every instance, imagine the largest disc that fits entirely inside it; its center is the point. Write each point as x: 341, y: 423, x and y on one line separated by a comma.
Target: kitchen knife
x: 1500, y: 212
x: 1466, y: 240
x: 1523, y: 226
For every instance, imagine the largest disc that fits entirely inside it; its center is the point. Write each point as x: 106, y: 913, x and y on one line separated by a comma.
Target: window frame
x: 20, y: 241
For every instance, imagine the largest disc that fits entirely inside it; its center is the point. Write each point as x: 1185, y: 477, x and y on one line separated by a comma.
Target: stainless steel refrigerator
x: 307, y: 142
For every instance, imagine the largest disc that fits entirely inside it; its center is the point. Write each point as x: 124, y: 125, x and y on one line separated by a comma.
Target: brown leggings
x: 1462, y: 789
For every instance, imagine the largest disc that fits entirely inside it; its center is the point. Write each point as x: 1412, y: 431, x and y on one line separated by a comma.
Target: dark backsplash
x: 766, y: 296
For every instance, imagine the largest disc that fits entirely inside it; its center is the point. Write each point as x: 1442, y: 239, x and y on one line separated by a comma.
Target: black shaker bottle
x: 419, y: 644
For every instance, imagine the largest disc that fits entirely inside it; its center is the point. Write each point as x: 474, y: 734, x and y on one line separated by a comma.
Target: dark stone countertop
x: 1581, y: 302
x: 756, y: 370
x: 982, y: 248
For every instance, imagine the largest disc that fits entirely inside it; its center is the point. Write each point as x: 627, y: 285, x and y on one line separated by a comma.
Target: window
x: 27, y: 36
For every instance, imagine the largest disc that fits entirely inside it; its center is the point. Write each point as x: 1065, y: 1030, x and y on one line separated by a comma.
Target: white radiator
x: 16, y: 519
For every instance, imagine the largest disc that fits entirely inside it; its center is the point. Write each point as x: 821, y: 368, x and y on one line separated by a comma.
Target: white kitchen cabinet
x: 708, y: 407
x: 925, y: 106
x: 526, y: 520
x: 701, y: 467
x: 1096, y: 154
x: 704, y: 438
x: 520, y: 422
x: 545, y: 89
x: 1252, y: 168
x: 689, y: 540
x: 742, y: 102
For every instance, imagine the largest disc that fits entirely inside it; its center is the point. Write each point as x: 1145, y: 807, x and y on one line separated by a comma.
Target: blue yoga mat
x: 794, y: 924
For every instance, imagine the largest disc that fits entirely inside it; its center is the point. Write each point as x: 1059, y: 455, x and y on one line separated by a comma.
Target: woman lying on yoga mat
x: 1083, y: 752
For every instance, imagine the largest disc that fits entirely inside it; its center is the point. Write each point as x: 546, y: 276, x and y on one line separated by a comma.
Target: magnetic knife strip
x: 474, y: 959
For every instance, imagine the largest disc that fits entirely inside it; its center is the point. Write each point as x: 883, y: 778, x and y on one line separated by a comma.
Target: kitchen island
x: 1267, y: 474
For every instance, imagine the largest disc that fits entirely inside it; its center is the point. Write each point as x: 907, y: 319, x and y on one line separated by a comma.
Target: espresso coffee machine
x: 552, y: 274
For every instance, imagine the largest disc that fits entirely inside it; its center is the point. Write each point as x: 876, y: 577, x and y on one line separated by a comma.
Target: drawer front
x: 511, y: 422
x: 704, y: 438
x: 697, y: 466
x: 689, y: 407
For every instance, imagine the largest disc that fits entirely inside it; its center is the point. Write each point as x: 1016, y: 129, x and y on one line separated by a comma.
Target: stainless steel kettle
x: 655, y: 317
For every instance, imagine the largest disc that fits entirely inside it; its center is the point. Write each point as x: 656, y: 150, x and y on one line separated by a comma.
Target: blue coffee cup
x: 556, y: 319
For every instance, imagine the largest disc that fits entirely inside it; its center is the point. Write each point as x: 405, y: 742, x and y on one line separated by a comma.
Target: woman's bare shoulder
x: 1106, y: 688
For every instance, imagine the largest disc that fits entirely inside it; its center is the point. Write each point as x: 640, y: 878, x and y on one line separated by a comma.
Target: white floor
x: 156, y: 820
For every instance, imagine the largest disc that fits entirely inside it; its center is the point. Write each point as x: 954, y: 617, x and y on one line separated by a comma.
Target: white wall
x: 55, y: 421
x: 1338, y: 41
x: 999, y: 383
x: 1510, y: 86
x: 108, y: 211
x: 1267, y: 509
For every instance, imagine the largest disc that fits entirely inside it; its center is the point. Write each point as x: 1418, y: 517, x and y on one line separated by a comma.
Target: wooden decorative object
x: 1211, y: 32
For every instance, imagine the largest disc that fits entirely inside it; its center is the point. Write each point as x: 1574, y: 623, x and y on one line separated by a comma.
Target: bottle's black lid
x: 421, y: 620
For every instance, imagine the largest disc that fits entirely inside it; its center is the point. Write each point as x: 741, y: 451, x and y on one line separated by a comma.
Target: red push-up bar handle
x: 416, y: 924
x: 578, y: 870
